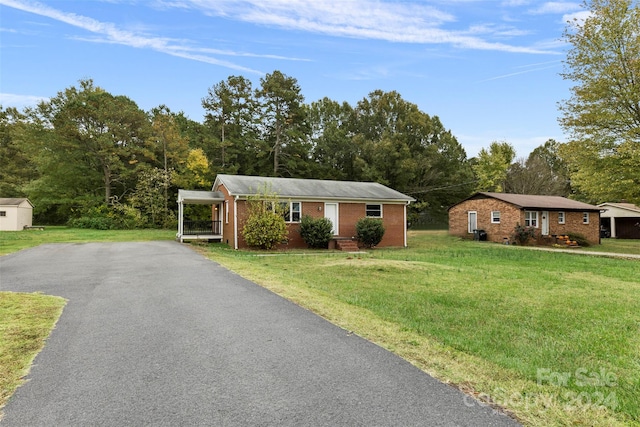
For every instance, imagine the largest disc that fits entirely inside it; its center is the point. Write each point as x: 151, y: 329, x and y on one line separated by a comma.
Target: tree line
x: 88, y: 153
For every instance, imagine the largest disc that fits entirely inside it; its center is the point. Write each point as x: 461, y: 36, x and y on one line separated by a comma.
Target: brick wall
x: 348, y: 215
x: 510, y: 216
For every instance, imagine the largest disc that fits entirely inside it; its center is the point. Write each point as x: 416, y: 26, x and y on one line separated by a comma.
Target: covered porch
x: 197, y: 229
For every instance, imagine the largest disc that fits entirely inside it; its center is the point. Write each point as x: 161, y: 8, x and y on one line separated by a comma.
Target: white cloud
x: 110, y: 33
x: 400, y: 22
x: 20, y: 101
x: 555, y: 7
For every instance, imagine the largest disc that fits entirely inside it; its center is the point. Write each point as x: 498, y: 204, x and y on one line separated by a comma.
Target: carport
x: 620, y: 220
x: 200, y: 230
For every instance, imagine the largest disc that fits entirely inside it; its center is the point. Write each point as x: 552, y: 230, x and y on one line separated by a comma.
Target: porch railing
x: 202, y: 227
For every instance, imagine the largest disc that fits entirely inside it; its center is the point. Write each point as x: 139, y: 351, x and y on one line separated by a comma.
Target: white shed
x: 15, y: 214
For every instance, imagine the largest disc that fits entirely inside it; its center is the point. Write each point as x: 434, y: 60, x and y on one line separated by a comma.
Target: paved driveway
x: 155, y: 334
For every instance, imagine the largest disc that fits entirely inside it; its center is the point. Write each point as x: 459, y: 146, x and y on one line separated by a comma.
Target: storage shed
x: 15, y: 214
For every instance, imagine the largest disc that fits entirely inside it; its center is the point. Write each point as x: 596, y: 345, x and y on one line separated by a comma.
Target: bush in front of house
x: 369, y: 231
x: 265, y: 227
x: 316, y: 232
x: 521, y: 234
x: 579, y: 239
x: 265, y: 230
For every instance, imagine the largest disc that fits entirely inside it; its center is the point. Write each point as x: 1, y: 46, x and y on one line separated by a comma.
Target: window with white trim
x: 292, y: 211
x: 531, y: 219
x: 585, y: 217
x: 495, y: 217
x: 226, y: 212
x: 373, y: 210
x: 560, y: 217
x: 3, y: 213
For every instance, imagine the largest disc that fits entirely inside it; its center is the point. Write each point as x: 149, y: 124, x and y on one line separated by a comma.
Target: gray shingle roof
x: 242, y: 185
x: 529, y: 201
x: 12, y: 201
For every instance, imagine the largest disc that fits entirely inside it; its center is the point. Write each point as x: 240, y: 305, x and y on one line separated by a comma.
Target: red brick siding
x: 510, y: 216
x: 348, y: 215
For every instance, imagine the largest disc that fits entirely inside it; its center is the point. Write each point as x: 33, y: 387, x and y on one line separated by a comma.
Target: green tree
x: 284, y: 124
x: 332, y: 151
x: 543, y: 172
x: 90, y: 144
x: 231, y: 115
x: 603, y: 114
x: 492, y: 165
x: 17, y: 168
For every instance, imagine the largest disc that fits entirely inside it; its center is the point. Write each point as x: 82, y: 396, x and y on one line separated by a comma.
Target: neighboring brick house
x: 343, y: 202
x: 499, y: 213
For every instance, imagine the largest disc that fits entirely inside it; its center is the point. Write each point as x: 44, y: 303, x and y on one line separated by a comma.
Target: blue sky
x: 489, y: 69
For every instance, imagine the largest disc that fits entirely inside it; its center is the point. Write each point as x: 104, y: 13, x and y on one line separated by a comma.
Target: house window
x: 374, y: 210
x: 292, y: 211
x: 3, y: 213
x: 585, y: 217
x: 560, y: 217
x: 226, y: 213
x: 531, y: 219
x: 495, y: 217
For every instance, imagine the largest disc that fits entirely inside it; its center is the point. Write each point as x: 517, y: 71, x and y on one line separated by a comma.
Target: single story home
x: 15, y: 214
x: 620, y: 220
x: 342, y: 202
x: 499, y: 213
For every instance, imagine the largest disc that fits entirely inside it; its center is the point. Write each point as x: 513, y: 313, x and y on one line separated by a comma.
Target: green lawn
x: 25, y: 322
x: 624, y: 246
x: 12, y: 241
x: 553, y: 337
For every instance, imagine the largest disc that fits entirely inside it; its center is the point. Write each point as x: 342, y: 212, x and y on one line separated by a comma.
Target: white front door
x: 331, y: 212
x: 544, y: 223
x: 473, y: 221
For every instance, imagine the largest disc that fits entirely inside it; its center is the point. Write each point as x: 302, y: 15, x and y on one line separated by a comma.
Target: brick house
x: 499, y: 213
x: 343, y: 202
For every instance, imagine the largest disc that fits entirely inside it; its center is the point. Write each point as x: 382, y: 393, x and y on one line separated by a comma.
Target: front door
x: 331, y: 212
x: 472, y: 222
x: 544, y: 223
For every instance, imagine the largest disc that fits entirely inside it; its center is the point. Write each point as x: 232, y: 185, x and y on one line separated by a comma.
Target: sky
x: 489, y: 69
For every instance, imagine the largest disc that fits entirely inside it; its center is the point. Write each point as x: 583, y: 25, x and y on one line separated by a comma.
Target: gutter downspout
x: 405, y: 224
x: 235, y: 223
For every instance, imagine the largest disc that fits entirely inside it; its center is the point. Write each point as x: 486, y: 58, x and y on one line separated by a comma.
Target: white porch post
x: 613, y: 227
x: 180, y: 220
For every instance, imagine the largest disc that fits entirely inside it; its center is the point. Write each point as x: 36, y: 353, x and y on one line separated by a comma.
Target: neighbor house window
x: 374, y: 210
x: 560, y: 217
x: 226, y: 213
x: 530, y: 219
x: 585, y: 217
x: 3, y: 213
x: 495, y: 217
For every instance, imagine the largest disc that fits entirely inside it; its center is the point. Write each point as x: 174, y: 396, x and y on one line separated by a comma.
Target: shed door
x: 544, y: 223
x: 331, y: 212
x: 473, y: 221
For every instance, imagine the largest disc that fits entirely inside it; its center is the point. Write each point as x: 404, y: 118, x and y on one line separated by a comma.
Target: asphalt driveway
x: 155, y: 334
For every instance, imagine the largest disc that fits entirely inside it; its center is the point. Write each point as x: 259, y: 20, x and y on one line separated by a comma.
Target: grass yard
x: 623, y: 246
x: 25, y: 323
x: 552, y: 337
x: 12, y: 241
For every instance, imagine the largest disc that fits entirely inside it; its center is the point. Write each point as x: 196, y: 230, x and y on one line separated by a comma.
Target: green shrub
x: 117, y: 217
x: 579, y: 238
x: 369, y: 231
x: 264, y: 230
x: 521, y: 235
x: 316, y: 232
